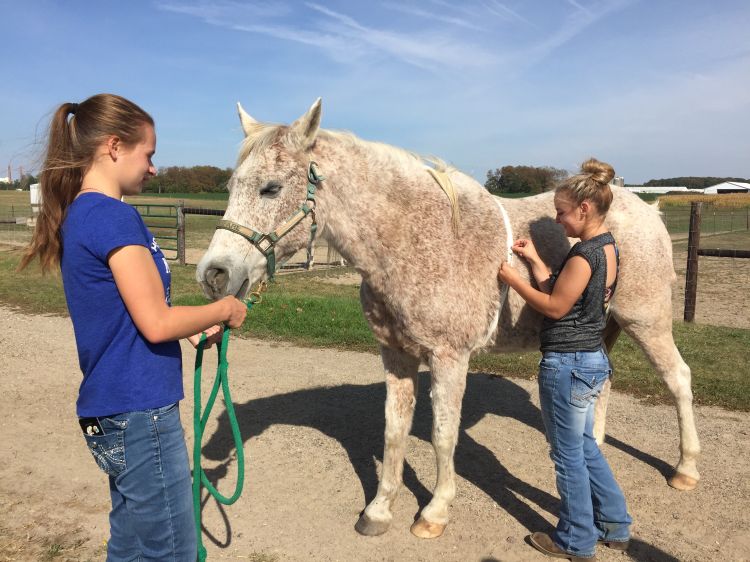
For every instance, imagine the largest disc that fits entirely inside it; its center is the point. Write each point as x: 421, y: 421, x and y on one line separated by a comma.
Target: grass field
x: 204, y: 196
x: 304, y: 309
x: 737, y: 240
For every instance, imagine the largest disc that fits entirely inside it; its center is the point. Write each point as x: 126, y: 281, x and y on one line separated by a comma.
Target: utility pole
x: 10, y: 174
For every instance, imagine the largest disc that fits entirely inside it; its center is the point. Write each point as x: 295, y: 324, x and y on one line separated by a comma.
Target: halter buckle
x: 264, y: 244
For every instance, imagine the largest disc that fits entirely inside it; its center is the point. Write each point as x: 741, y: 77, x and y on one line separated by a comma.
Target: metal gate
x: 167, y: 224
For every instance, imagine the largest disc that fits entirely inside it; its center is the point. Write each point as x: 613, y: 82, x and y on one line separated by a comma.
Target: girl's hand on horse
x: 236, y: 311
x: 525, y: 249
x: 508, y: 274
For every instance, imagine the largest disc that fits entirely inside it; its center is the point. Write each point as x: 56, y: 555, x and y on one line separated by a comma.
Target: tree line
x: 195, y: 179
x: 532, y: 180
x: 172, y: 179
x: 523, y: 179
x: 22, y: 183
x: 508, y: 179
x: 692, y: 182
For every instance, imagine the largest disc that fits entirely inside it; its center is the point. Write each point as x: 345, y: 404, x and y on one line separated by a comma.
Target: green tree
x: 691, y: 182
x: 195, y: 179
x: 523, y: 179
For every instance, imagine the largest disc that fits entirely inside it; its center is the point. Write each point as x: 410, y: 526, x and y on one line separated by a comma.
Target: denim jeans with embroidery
x: 592, y: 505
x: 145, y: 456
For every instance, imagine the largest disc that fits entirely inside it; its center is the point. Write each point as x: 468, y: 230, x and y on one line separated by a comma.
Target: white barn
x: 656, y: 189
x: 729, y: 187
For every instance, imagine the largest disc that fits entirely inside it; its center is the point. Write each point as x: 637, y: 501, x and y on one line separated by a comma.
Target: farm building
x: 729, y: 187
x: 657, y: 189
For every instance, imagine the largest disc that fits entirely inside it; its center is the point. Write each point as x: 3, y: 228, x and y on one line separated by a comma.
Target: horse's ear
x: 304, y: 130
x: 246, y: 120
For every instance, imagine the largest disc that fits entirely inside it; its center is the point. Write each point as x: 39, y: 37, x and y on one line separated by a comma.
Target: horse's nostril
x: 217, y: 279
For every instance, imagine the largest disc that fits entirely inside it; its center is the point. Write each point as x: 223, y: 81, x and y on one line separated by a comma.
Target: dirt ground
x: 312, y: 421
x: 720, y: 299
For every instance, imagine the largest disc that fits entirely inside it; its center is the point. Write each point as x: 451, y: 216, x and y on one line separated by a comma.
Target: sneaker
x: 544, y: 544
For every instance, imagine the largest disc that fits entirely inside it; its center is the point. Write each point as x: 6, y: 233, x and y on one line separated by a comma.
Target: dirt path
x: 313, y: 424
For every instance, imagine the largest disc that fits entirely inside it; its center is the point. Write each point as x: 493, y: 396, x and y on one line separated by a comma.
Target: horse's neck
x: 361, y: 199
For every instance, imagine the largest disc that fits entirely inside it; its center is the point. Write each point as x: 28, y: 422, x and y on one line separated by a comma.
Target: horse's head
x: 268, y: 188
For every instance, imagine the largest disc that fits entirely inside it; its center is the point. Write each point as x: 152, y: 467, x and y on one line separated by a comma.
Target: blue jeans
x: 145, y: 456
x: 592, y: 505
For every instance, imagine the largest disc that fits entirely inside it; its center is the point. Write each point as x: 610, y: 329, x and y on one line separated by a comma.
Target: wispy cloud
x: 341, y: 36
x: 219, y: 12
x: 499, y: 9
x: 426, y: 49
x: 425, y: 14
x: 572, y: 25
x: 578, y: 6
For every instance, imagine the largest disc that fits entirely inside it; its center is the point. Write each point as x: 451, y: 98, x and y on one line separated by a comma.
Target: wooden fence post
x: 180, y: 232
x: 691, y: 275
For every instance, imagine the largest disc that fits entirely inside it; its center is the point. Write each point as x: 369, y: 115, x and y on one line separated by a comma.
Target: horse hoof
x: 426, y: 530
x: 683, y: 482
x: 370, y: 528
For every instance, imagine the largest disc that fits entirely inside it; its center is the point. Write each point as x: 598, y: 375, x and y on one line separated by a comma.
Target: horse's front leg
x: 401, y: 397
x: 448, y: 386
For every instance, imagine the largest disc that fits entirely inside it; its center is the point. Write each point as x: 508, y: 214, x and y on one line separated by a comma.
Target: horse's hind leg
x: 658, y: 345
x: 611, y: 332
x: 447, y: 391
x: 401, y: 394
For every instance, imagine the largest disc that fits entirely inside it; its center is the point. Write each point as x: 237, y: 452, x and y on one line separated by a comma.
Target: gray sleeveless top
x: 581, y: 328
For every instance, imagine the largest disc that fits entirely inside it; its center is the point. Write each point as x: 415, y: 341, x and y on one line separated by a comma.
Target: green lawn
x: 303, y: 309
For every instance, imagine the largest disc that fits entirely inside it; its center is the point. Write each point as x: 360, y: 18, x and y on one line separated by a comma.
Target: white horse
x: 429, y: 285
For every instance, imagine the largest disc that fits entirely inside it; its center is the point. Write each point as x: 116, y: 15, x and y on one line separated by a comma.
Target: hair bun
x: 600, y: 172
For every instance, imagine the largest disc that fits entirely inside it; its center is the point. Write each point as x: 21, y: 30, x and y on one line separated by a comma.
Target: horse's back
x: 645, y: 263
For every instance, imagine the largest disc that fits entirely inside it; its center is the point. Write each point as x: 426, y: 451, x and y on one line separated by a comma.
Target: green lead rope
x: 199, y: 424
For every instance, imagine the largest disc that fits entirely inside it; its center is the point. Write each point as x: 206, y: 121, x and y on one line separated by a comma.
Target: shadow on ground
x: 331, y: 410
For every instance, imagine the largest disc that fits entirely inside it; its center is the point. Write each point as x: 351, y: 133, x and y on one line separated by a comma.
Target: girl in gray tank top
x: 574, y: 365
x: 581, y: 328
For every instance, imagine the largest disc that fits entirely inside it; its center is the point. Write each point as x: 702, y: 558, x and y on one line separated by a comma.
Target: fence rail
x: 718, y: 253
x: 714, y: 219
x: 167, y: 224
x: 694, y: 250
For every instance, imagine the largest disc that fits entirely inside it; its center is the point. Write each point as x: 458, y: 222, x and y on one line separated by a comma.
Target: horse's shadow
x: 331, y: 410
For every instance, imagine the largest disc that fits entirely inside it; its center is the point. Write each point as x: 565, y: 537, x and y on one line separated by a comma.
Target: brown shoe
x: 544, y: 544
x: 616, y: 545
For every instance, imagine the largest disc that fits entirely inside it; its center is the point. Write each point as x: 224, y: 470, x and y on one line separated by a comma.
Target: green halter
x: 266, y: 242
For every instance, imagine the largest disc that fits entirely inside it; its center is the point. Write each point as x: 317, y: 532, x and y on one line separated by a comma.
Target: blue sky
x: 658, y: 88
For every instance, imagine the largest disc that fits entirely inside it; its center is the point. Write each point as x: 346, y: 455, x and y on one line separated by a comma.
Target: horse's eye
x: 271, y: 189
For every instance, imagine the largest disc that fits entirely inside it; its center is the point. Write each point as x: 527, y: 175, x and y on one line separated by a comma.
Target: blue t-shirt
x: 122, y: 371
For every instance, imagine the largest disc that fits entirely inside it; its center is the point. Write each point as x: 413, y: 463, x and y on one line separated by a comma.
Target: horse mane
x: 260, y: 137
x: 387, y: 151
x: 264, y: 135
